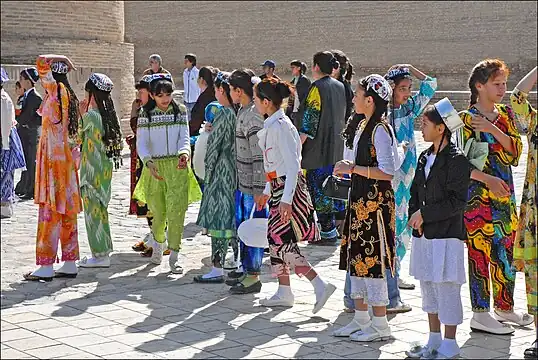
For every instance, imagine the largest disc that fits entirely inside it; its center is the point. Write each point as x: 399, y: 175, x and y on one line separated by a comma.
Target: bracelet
x: 368, y: 172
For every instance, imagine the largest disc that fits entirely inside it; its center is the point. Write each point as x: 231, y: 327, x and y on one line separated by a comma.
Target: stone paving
x: 138, y: 310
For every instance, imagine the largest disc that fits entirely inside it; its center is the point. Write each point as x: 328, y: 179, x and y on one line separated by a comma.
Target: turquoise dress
x: 402, y: 120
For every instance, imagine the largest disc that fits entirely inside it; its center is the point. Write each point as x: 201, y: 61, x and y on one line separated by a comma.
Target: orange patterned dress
x: 57, y: 184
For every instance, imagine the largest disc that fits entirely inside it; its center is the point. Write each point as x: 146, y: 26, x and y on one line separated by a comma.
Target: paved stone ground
x: 137, y: 310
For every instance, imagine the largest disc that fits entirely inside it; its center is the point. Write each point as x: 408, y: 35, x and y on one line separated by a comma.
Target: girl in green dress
x: 100, y: 135
x: 217, y: 211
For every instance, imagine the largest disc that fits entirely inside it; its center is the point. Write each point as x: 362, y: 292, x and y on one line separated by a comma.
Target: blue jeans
x: 392, y: 287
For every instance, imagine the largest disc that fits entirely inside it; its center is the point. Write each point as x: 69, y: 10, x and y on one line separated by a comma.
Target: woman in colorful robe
x: 491, y: 214
x: 57, y: 185
x: 100, y: 136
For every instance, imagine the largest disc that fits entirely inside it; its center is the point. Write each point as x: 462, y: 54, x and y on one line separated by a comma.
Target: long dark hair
x: 111, y: 125
x: 274, y: 90
x: 346, y: 67
x: 433, y: 115
x: 73, y: 111
x: 242, y: 79
x: 223, y: 81
x: 380, y: 112
x: 482, y: 72
x: 397, y: 80
x: 161, y: 86
x: 208, y: 73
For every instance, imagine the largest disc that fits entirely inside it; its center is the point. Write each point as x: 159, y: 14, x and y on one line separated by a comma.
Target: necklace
x: 494, y: 122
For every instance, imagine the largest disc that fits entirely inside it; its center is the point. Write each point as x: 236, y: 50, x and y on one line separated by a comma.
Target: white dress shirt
x: 389, y: 155
x: 190, y: 85
x: 281, y: 146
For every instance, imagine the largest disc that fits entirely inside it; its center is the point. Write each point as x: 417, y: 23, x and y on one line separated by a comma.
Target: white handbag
x: 200, y: 149
x: 253, y: 232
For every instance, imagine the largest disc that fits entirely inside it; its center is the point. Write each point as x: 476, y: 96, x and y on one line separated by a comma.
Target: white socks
x: 69, y: 267
x: 319, y: 286
x: 44, y: 271
x: 283, y: 292
x: 435, y: 340
x: 380, y: 322
x: 449, y: 348
x: 362, y: 317
x: 215, y: 272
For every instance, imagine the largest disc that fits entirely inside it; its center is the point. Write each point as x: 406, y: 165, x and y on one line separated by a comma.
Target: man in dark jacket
x: 296, y: 101
x: 28, y: 126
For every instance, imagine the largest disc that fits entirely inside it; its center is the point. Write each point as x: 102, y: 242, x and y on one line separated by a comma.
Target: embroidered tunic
x: 367, y: 246
x: 402, y: 121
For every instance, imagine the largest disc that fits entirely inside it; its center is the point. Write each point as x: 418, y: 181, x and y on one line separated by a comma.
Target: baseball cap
x: 269, y: 63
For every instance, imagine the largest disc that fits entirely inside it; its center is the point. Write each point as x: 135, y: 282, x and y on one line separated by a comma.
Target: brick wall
x: 91, y: 34
x: 83, y: 20
x: 443, y: 38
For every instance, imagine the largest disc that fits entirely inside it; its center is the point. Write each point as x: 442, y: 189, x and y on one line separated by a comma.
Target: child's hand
x: 183, y: 161
x: 153, y: 170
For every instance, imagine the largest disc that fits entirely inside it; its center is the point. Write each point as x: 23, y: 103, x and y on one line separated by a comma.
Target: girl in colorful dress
x: 12, y: 152
x: 291, y: 213
x: 57, y: 187
x: 491, y: 214
x: 403, y: 111
x: 251, y: 177
x: 438, y: 201
x: 167, y: 183
x: 138, y: 208
x: 100, y: 136
x: 217, y: 211
x: 527, y: 230
x: 367, y: 248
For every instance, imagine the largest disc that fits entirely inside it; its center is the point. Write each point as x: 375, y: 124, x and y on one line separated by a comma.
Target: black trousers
x: 25, y: 187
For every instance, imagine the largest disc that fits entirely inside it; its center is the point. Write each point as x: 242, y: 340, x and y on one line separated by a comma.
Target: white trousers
x: 443, y: 299
x: 373, y: 291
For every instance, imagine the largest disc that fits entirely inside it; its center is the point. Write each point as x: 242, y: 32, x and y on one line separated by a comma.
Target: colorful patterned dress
x: 491, y: 222
x: 525, y: 248
x: 402, y: 120
x: 56, y: 186
x: 95, y: 183
x: 217, y: 211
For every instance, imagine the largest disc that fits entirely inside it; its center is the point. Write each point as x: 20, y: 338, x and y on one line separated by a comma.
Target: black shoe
x: 233, y: 281
x: 27, y: 197
x: 242, y: 289
x: 234, y: 274
x: 266, y: 251
x: 326, y: 242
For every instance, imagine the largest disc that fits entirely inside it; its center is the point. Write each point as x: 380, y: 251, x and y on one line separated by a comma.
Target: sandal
x: 532, y: 352
x: 139, y: 246
x: 30, y: 277
x: 65, y: 275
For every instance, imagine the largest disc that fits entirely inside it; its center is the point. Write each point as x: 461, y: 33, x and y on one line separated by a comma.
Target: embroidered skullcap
x: 143, y: 83
x: 154, y: 77
x: 379, y: 85
x: 397, y: 72
x: 5, y: 77
x: 449, y: 115
x: 101, y: 82
x: 211, y: 110
x: 32, y: 74
x: 59, y: 67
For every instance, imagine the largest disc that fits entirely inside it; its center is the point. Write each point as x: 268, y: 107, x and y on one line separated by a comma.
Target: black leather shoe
x: 242, y: 289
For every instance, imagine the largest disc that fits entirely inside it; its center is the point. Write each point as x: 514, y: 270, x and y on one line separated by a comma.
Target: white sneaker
x: 157, y: 255
x: 329, y: 290
x: 371, y: 334
x: 102, y: 262
x: 349, y: 329
x: 513, y: 317
x: 172, y: 261
x: 277, y: 301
